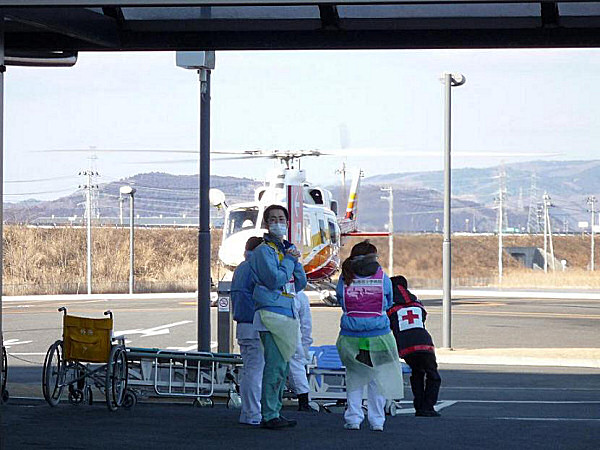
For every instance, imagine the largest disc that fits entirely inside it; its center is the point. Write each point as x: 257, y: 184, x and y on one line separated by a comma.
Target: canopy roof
x: 97, y: 25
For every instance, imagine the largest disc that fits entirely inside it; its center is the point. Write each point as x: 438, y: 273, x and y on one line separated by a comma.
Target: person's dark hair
x: 273, y: 208
x: 360, y: 249
x: 253, y: 242
x: 399, y: 280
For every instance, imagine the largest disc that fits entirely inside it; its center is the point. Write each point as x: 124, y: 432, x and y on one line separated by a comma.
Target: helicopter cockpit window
x: 241, y: 219
x: 317, y: 196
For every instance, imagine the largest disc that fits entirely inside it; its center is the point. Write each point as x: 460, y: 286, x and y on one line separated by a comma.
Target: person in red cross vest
x: 415, y: 346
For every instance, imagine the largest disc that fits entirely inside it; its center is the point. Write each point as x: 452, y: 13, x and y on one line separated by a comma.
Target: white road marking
x: 439, y: 406
x: 548, y: 419
x: 10, y: 342
x: 26, y: 354
x: 509, y: 388
x: 155, y: 331
x: 536, y: 402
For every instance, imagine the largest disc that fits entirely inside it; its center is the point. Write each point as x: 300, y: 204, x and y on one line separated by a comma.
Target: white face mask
x: 278, y: 229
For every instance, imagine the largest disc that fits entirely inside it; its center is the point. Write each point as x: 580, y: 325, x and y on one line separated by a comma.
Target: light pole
x: 390, y: 199
x: 449, y: 80
x: 203, y: 63
x: 128, y: 190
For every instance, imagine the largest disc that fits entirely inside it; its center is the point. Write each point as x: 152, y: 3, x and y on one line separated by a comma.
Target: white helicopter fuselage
x: 321, y: 238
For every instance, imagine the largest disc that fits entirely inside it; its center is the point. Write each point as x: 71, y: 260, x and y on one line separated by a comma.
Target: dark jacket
x: 411, y: 340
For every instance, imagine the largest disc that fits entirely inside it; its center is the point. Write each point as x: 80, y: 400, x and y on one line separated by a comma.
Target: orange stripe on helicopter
x: 320, y: 259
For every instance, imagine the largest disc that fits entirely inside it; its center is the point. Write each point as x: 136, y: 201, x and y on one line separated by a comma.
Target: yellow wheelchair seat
x: 87, y: 340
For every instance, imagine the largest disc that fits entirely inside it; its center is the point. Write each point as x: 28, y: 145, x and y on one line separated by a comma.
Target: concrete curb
x: 485, y: 360
x: 486, y: 293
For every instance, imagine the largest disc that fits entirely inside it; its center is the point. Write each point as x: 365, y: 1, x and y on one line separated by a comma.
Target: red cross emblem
x: 410, y: 317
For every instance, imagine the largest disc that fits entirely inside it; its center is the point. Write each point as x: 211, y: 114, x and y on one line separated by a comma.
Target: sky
x: 534, y: 101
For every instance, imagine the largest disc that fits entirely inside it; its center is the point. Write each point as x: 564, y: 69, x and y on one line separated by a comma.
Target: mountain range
x: 417, y: 205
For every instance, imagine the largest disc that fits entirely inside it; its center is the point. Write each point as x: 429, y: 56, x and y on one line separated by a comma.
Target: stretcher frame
x: 327, y: 385
x: 196, y: 375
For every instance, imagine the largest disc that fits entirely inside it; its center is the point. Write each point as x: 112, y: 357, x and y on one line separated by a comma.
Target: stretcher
x: 3, y: 377
x: 327, y: 380
x: 195, y: 375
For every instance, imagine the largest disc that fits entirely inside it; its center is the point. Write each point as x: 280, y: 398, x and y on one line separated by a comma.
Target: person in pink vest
x: 365, y: 344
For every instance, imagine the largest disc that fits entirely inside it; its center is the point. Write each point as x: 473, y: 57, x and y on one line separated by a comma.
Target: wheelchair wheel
x: 75, y: 396
x: 52, y: 373
x: 130, y: 399
x: 4, y: 377
x: 116, y: 378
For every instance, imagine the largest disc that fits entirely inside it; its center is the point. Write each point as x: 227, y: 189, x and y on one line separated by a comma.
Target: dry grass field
x: 49, y: 261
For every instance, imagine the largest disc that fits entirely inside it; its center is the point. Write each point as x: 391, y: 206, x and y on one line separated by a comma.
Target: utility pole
x: 390, y: 199
x: 547, y: 233
x: 89, y: 174
x: 591, y: 200
x: 501, y: 193
x: 532, y: 224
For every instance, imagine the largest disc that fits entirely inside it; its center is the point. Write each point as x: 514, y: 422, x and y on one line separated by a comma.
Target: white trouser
x: 376, y: 403
x: 251, y: 379
x: 297, y: 376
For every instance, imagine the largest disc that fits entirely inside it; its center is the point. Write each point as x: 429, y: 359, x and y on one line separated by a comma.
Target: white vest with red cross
x: 365, y: 296
x: 410, y: 317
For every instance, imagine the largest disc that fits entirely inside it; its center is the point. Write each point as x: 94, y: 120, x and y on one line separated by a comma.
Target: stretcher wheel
x: 314, y: 406
x: 130, y: 399
x: 392, y: 410
x: 235, y: 401
x: 52, y: 373
x: 89, y: 396
x: 116, y: 378
x: 203, y: 402
x: 75, y: 396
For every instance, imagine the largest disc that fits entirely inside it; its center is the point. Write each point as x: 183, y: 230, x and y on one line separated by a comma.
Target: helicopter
x: 316, y: 227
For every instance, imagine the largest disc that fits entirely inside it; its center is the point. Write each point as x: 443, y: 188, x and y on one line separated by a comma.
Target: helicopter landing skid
x: 326, y: 291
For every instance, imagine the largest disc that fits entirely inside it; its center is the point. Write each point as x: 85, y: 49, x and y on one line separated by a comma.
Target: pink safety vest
x: 365, y: 297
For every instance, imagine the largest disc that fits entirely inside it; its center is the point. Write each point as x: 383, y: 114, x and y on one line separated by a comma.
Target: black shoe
x: 278, y: 422
x: 427, y: 414
x: 305, y: 408
x: 290, y: 422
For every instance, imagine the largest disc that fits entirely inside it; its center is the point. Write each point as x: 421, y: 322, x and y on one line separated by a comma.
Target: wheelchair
x: 3, y: 377
x: 87, y: 356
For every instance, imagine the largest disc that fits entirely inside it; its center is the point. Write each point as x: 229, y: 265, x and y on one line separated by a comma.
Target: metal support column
x: 131, y: 244
x: 2, y: 70
x: 447, y: 245
x: 204, y: 276
x: 449, y: 80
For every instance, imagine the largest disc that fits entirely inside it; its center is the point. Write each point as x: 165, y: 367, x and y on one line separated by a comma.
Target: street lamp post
x: 203, y: 63
x: 128, y: 190
x: 449, y: 80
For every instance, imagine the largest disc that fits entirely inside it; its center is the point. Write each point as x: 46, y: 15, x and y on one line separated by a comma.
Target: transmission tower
x: 533, y: 218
